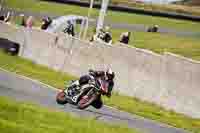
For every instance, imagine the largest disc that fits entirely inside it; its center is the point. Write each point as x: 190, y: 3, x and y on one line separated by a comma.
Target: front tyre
x: 61, y: 98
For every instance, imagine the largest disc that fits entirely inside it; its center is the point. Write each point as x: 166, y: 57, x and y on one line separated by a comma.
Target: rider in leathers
x: 108, y: 76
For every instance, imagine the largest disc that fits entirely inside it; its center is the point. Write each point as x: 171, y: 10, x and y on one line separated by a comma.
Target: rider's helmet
x: 110, y: 74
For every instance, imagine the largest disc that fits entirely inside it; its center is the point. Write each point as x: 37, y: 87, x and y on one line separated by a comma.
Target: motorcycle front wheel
x: 61, y: 98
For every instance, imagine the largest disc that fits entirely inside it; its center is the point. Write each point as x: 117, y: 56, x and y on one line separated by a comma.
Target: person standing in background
x: 5, y: 18
x: 45, y: 23
x: 107, y: 36
x: 125, y: 37
x: 23, y: 20
x: 69, y: 29
x: 29, y: 22
x: 8, y: 17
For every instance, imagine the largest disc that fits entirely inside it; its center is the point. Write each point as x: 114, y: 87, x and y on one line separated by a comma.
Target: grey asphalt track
x: 22, y: 89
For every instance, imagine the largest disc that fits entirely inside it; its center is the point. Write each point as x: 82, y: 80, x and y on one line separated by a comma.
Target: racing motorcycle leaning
x: 85, y: 96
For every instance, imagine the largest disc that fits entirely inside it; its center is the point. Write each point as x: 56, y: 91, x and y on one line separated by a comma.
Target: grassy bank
x: 117, y: 17
x: 132, y: 105
x: 30, y: 69
x: 177, y: 8
x: 27, y: 118
x: 185, y: 46
x: 160, y: 43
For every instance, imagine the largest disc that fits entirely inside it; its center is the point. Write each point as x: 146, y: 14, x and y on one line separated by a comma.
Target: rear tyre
x: 61, y: 98
x: 97, y: 104
x: 85, y: 102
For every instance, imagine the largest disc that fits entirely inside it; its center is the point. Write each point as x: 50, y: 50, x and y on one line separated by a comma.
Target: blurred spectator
x: 153, y: 28
x: 45, y: 23
x: 69, y: 29
x: 23, y: 20
x: 98, y: 36
x: 103, y: 35
x: 125, y: 37
x: 107, y: 36
x: 29, y: 22
x: 5, y: 18
x: 94, y: 36
x: 2, y: 17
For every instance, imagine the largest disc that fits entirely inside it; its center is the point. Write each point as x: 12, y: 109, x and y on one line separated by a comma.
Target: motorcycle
x: 85, y: 96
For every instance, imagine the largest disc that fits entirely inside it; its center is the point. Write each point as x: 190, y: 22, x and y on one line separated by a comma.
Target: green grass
x: 27, y: 118
x: 193, y: 10
x: 154, y: 112
x: 188, y: 47
x: 30, y: 69
x: 184, y: 46
x: 117, y: 17
x: 132, y: 105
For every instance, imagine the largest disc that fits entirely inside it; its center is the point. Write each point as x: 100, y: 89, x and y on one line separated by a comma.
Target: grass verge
x: 132, y: 105
x: 185, y: 46
x: 177, y: 8
x: 159, y: 43
x: 119, y: 17
x: 28, y: 118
